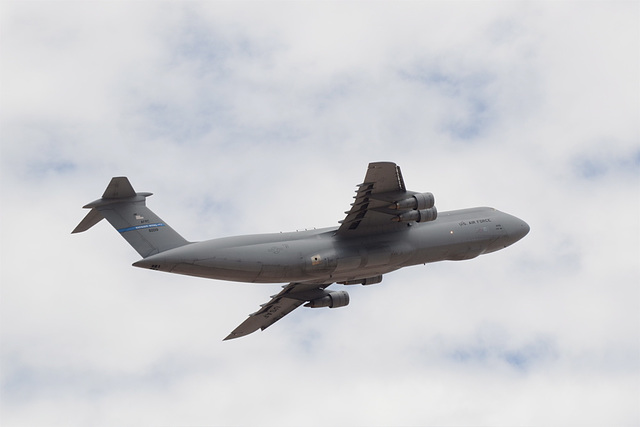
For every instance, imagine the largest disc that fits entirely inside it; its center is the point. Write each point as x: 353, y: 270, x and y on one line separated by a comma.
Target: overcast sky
x: 260, y: 117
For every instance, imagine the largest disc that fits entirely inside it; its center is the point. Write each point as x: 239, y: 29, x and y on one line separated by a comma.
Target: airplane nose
x: 521, y: 230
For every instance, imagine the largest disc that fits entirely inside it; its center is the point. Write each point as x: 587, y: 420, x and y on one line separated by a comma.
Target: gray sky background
x: 260, y: 117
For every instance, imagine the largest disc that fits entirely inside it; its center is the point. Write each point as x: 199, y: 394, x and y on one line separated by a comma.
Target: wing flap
x: 291, y: 297
x: 267, y: 316
x: 383, y: 183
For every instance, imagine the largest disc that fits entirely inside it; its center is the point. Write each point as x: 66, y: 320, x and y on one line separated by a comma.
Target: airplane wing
x: 370, y: 212
x: 291, y: 297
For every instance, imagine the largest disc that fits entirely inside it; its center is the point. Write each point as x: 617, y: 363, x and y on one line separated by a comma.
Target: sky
x: 257, y: 117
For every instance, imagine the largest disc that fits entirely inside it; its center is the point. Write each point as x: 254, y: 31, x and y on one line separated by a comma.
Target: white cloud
x: 263, y: 118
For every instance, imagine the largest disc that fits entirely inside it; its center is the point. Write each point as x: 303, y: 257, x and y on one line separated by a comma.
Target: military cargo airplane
x: 387, y: 228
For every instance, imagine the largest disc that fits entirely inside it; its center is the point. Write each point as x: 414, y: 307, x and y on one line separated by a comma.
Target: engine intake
x: 423, y: 215
x: 418, y: 201
x: 331, y: 300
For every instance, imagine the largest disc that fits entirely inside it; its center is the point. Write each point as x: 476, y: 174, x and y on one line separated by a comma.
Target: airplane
x: 387, y: 228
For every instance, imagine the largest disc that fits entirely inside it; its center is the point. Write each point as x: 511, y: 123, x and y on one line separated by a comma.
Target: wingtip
x: 232, y: 336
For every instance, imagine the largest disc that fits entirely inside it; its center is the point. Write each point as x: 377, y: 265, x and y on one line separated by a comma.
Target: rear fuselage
x: 320, y: 256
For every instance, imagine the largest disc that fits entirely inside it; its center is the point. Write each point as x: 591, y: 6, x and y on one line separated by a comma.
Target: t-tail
x: 127, y: 212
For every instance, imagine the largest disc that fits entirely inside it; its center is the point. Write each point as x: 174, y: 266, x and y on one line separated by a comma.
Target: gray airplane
x: 387, y: 228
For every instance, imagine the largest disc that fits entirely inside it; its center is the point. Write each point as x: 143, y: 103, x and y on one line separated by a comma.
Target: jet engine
x: 331, y: 300
x: 423, y: 215
x: 418, y: 201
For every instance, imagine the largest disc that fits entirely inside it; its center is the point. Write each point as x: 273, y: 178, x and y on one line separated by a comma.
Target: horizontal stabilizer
x: 119, y: 188
x: 93, y: 217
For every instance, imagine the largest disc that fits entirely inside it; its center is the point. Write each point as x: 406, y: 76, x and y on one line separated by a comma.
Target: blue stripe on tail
x: 140, y: 227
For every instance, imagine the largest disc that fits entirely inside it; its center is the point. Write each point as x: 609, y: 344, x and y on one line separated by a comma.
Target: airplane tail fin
x: 127, y: 212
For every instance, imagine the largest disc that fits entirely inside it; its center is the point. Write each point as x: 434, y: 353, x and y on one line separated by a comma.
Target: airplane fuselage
x: 387, y: 227
x: 321, y: 256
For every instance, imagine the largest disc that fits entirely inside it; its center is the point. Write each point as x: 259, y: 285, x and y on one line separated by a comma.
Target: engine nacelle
x: 423, y: 215
x: 418, y: 201
x: 331, y: 300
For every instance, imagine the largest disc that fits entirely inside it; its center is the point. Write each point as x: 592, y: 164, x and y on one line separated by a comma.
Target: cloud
x: 261, y: 118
